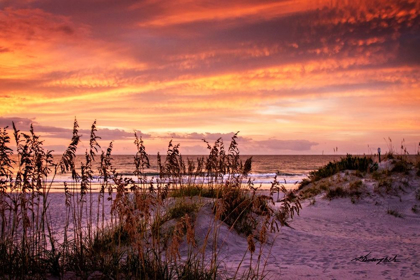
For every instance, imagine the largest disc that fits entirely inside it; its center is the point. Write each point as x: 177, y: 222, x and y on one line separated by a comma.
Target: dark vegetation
x: 363, y: 164
x: 354, y: 191
x: 401, y: 166
x: 140, y: 238
x: 359, y: 165
x: 196, y: 190
x: 388, y: 180
x: 394, y: 213
x: 312, y: 191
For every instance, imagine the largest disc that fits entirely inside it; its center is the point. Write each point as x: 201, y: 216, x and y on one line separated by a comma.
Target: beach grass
x: 358, y: 163
x: 130, y: 228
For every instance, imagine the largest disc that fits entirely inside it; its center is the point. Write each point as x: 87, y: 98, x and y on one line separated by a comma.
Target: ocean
x: 290, y: 169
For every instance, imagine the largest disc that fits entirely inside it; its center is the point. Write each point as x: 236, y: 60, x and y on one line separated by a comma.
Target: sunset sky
x: 293, y: 76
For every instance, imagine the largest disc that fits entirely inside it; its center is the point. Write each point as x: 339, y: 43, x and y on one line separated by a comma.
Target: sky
x: 292, y: 76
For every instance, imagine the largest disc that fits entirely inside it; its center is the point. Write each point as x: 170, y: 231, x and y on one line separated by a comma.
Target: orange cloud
x: 282, y: 70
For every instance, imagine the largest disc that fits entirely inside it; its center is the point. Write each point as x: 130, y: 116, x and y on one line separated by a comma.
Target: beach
x: 329, y: 239
x: 353, y: 218
x: 209, y: 139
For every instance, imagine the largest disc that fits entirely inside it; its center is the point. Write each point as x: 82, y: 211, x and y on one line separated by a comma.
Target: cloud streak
x: 200, y: 68
x: 291, y: 145
x: 23, y: 124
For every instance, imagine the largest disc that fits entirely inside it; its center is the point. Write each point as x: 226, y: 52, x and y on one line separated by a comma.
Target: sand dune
x: 330, y: 239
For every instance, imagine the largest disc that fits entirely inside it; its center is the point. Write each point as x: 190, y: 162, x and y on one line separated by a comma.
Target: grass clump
x: 385, y: 185
x: 309, y: 192
x: 336, y: 193
x: 245, y: 211
x: 394, y: 213
x: 389, y: 155
x: 355, y: 189
x: 376, y: 175
x: 418, y: 166
x: 401, y: 166
x: 361, y: 164
x: 109, y: 237
x: 236, y: 209
x: 180, y: 209
x: 193, y: 190
x: 304, y: 183
x: 313, y: 191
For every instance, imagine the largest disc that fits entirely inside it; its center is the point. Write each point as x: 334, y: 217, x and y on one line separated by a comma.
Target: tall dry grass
x: 149, y: 219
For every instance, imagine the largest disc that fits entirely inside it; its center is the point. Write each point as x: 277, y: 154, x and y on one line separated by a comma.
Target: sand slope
x: 329, y: 235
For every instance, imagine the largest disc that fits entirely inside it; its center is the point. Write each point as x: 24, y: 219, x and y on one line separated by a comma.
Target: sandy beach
x: 339, y: 239
x: 329, y: 236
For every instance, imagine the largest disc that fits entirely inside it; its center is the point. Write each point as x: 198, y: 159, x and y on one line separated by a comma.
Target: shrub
x: 290, y: 205
x: 177, y: 211
x: 361, y: 164
x: 309, y: 192
x: 358, y: 174
x: 180, y: 209
x: 384, y: 185
x: 337, y: 192
x: 312, y: 191
x: 193, y: 190
x: 236, y: 209
x: 245, y: 211
x: 355, y: 189
x: 109, y: 238
x: 401, y: 166
x: 190, y: 190
x: 376, y: 175
x: 324, y: 187
x: 389, y: 155
x: 304, y: 183
x: 356, y: 185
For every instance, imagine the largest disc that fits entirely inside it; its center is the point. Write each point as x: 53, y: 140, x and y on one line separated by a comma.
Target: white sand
x: 329, y: 235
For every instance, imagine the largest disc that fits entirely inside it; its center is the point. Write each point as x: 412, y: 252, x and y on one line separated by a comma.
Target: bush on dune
x: 362, y: 164
x: 401, y: 166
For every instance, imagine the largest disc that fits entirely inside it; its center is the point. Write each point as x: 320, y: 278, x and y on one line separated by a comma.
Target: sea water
x: 288, y: 169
